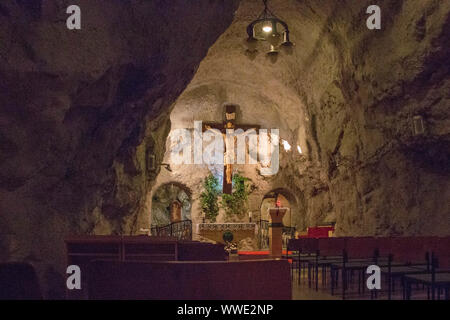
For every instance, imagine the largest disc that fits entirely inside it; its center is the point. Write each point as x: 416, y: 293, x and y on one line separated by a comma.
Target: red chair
x: 408, y: 249
x: 361, y: 247
x: 319, y: 232
x: 440, y: 248
x: 331, y: 246
x: 384, y: 246
x: 309, y: 245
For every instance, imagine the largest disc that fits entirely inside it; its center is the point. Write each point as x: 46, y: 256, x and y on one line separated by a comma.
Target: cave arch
x: 288, y: 200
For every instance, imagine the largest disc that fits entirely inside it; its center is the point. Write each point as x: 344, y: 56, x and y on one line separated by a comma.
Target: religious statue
x: 230, y: 116
x: 175, y: 211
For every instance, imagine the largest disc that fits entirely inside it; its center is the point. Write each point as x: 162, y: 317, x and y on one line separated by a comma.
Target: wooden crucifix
x: 229, y: 123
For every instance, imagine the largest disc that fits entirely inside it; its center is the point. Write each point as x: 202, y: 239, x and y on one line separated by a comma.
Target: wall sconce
x: 286, y: 145
x: 151, y: 162
x: 152, y: 165
x: 418, y: 125
x: 166, y: 166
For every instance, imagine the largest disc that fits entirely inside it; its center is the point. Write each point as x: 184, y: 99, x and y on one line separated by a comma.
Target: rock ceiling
x: 347, y: 96
x: 82, y: 112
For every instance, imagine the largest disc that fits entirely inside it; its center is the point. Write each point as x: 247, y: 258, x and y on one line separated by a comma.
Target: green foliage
x: 209, y: 198
x: 233, y: 204
x: 236, y: 202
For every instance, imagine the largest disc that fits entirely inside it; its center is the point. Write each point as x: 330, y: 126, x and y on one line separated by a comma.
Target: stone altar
x: 218, y: 231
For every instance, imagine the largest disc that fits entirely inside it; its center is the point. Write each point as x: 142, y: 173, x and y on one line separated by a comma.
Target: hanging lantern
x: 286, y: 41
x: 273, y: 51
x: 268, y: 27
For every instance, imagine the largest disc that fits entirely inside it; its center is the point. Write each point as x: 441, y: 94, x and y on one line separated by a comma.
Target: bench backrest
x: 18, y: 281
x: 239, y: 280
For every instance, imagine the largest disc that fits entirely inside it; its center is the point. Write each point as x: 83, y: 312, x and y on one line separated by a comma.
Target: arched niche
x: 171, y: 202
x: 286, y: 198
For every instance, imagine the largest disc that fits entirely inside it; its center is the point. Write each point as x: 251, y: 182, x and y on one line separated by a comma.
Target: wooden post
x: 276, y: 231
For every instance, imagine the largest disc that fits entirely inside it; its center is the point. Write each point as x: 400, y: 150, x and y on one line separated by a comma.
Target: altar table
x: 220, y: 231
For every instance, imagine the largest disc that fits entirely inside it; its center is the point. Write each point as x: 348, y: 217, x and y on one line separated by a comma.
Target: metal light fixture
x: 418, y: 125
x: 286, y: 145
x: 152, y: 164
x: 166, y: 166
x: 268, y: 27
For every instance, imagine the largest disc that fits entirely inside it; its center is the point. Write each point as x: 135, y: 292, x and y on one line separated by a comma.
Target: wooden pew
x: 144, y: 248
x: 81, y: 250
x: 200, y: 251
x: 189, y: 280
x: 18, y: 281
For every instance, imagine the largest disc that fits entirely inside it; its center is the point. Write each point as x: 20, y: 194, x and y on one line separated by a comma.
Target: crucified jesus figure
x: 229, y: 123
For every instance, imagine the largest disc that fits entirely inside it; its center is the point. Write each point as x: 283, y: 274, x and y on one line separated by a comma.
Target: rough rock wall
x: 361, y: 90
x: 81, y: 110
x: 347, y: 96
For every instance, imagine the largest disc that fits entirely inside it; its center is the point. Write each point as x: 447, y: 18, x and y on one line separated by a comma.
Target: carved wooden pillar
x: 276, y: 231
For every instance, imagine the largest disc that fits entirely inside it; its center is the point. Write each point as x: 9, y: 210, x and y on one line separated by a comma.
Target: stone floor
x: 302, y: 291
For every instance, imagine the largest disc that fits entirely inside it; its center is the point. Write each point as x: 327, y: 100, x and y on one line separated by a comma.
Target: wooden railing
x: 181, y: 230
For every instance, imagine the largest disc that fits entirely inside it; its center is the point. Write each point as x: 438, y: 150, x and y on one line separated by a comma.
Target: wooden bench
x: 82, y: 250
x: 200, y: 251
x: 190, y: 280
x: 18, y: 281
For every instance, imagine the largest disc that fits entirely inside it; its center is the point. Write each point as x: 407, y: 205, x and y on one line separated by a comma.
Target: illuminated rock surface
x: 81, y: 111
x: 347, y: 96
